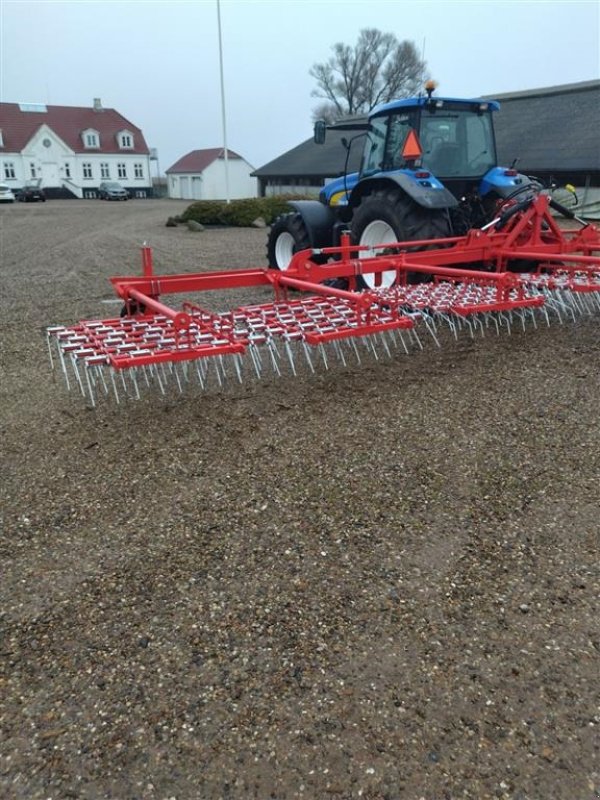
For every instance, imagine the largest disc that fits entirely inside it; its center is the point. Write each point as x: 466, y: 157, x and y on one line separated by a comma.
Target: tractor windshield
x: 457, y: 143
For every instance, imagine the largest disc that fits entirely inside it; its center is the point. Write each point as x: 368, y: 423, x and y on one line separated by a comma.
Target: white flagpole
x: 226, y: 154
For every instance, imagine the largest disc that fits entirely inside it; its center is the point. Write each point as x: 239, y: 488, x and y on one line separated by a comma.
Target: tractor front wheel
x: 288, y: 235
x: 388, y: 216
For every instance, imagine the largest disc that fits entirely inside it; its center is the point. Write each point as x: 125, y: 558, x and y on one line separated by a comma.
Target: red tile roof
x: 199, y: 160
x: 68, y: 122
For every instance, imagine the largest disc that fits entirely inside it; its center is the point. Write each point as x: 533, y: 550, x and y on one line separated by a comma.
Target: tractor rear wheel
x: 288, y: 235
x: 387, y: 216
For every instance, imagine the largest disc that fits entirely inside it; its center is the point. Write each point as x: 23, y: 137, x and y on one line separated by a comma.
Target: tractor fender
x: 504, y: 182
x: 426, y: 192
x: 318, y: 220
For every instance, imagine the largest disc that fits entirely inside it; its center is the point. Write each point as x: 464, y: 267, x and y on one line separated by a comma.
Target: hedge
x: 239, y: 213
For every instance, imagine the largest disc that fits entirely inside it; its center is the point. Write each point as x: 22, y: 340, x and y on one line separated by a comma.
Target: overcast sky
x: 157, y: 63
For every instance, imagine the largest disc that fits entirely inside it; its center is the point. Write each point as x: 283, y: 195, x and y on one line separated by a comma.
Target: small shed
x: 202, y: 175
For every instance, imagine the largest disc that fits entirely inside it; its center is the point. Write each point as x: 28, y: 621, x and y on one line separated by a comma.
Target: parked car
x: 31, y: 193
x: 112, y: 191
x: 6, y: 195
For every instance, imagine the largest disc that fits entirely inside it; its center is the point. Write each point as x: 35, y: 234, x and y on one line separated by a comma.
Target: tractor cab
x: 452, y: 139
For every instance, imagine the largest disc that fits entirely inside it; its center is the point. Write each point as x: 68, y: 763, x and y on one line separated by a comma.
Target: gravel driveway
x: 380, y: 582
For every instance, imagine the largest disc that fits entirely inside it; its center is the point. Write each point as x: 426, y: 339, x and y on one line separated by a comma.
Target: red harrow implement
x: 520, y: 268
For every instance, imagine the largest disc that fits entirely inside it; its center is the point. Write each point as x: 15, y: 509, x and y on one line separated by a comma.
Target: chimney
x: 98, y: 104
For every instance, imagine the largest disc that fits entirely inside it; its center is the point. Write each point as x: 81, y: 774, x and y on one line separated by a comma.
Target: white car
x: 6, y: 195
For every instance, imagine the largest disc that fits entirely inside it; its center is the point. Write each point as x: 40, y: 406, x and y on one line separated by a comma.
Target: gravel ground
x: 380, y: 582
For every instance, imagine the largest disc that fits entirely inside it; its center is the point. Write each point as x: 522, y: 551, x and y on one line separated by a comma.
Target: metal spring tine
x: 121, y: 373
x: 412, y: 332
x: 274, y: 354
x: 237, y: 363
x: 164, y: 373
x: 403, y: 342
x: 339, y: 352
x: 77, y: 375
x: 495, y: 321
x: 156, y: 372
x: 114, y: 384
x: 431, y: 329
x: 199, y: 371
x: 255, y: 359
x: 135, y: 383
x: 323, y: 355
x: 89, y: 386
x: 290, y: 356
x: 215, y: 363
x: 63, y: 365
x: 385, y: 345
x: 552, y: 304
x: 145, y: 373
x: 391, y: 338
x: 531, y: 313
x: 99, y: 370
x: 578, y: 301
x: 48, y: 342
x: 372, y: 347
x: 567, y: 305
x: 355, y: 348
x: 306, y: 349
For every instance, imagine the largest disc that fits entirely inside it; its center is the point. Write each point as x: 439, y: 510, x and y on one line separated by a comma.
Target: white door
x: 184, y: 188
x: 197, y: 188
x: 50, y: 174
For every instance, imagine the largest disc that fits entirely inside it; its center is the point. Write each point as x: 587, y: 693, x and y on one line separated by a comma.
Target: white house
x: 71, y: 149
x: 200, y: 175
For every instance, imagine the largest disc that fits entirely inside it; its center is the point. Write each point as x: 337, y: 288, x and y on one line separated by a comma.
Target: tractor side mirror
x: 320, y: 131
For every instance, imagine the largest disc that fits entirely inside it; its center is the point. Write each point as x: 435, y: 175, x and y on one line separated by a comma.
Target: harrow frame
x: 467, y: 278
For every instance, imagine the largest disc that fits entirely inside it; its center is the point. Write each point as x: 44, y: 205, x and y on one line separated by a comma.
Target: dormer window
x: 125, y: 140
x: 91, y: 139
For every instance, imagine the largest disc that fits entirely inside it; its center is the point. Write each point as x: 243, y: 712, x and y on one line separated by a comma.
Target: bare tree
x: 379, y: 68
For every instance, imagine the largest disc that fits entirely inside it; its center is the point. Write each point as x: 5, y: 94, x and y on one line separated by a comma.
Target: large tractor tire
x: 288, y: 235
x: 389, y: 215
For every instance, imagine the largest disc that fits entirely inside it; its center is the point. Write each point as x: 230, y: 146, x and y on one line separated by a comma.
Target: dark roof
x: 549, y: 130
x: 312, y: 160
x: 68, y: 122
x: 199, y: 160
x: 552, y: 129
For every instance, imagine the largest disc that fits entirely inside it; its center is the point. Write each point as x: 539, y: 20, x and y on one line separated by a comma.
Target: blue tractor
x: 428, y: 171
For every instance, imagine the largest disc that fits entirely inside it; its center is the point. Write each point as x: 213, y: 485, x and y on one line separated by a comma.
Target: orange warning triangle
x: 412, y: 146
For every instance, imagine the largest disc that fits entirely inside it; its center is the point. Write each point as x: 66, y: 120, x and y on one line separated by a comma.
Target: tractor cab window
x: 457, y: 143
x: 387, y: 134
x: 374, y: 146
x: 398, y: 127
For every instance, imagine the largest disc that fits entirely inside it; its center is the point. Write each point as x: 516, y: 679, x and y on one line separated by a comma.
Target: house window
x: 87, y: 170
x: 91, y: 140
x: 126, y: 140
x: 122, y: 170
x: 67, y: 170
x: 104, y: 170
x: 138, y: 170
x: 32, y: 170
x: 9, y: 170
